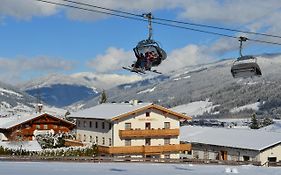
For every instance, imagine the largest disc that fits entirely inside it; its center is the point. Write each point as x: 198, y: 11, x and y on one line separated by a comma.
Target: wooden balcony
x: 144, y: 149
x: 151, y: 133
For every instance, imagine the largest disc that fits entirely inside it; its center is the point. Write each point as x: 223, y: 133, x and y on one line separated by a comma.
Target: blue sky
x: 38, y: 39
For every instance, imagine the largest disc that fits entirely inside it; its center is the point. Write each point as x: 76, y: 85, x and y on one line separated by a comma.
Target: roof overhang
x: 40, y: 115
x: 152, y: 106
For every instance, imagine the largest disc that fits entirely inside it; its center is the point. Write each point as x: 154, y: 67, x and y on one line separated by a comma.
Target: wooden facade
x: 145, y: 149
x: 151, y: 133
x: 25, y: 131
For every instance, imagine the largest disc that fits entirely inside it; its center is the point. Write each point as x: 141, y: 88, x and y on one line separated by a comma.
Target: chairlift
x: 149, y: 46
x: 245, y: 66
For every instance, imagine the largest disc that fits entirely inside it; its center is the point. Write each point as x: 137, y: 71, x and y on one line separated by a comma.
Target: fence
x: 128, y: 159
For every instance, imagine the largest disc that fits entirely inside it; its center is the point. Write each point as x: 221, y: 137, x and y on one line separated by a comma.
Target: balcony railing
x: 138, y: 133
x: 145, y: 149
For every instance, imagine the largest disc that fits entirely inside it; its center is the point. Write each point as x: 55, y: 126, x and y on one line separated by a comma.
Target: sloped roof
x: 235, y: 138
x: 115, y: 111
x: 8, y: 122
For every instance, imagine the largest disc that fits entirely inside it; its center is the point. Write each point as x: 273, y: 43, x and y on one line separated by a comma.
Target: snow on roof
x: 24, y: 145
x: 236, y: 138
x: 108, y: 110
x: 8, y: 122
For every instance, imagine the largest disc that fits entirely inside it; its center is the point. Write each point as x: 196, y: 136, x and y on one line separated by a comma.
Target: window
x: 37, y: 126
x: 103, y: 125
x: 78, y: 123
x: 27, y: 126
x: 97, y: 140
x: 246, y: 158
x: 167, y: 156
x: 127, y: 142
x: 103, y: 140
x: 147, y: 114
x: 91, y: 139
x: 45, y: 126
x: 97, y: 124
x: 272, y: 159
x: 167, y: 141
x: 167, y: 125
x: 85, y: 124
x: 188, y: 152
x: 90, y: 124
x: 85, y: 138
x: 128, y: 126
x: 109, y: 142
x: 55, y: 126
x: 109, y: 126
x: 148, y: 141
x: 147, y: 126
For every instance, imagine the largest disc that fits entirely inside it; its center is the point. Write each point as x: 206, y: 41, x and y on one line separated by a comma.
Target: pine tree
x: 254, y: 122
x: 103, y: 97
x: 267, y: 121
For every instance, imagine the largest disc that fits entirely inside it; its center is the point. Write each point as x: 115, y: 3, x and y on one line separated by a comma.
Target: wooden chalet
x: 25, y: 127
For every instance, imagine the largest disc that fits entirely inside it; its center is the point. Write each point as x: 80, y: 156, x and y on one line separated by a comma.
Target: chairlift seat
x: 245, y: 70
x: 145, y: 46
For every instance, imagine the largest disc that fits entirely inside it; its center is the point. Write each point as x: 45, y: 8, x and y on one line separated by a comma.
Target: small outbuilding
x: 210, y: 143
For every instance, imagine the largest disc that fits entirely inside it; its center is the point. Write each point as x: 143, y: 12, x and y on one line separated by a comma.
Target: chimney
x: 135, y: 102
x: 39, y: 107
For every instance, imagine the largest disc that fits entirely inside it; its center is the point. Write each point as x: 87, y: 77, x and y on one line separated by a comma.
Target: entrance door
x: 272, y: 159
x: 223, y: 155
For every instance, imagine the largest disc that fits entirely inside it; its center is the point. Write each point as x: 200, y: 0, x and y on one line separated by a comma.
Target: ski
x: 134, y: 70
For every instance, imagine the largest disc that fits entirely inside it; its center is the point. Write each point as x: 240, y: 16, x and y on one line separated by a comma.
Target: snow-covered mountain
x: 212, y: 83
x: 60, y: 90
x: 63, y: 90
x: 12, y: 100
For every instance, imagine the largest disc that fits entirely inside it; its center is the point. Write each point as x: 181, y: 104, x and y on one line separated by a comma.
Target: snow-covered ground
x: 24, y: 145
x: 3, y: 91
x: 195, y: 108
x: 275, y: 127
x: 254, y: 106
x: 147, y: 90
x: 47, y: 168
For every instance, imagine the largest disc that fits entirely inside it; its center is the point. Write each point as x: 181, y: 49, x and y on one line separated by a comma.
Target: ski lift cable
x: 135, y: 18
x: 175, y: 21
x: 140, y: 18
x: 103, y: 8
x: 90, y: 10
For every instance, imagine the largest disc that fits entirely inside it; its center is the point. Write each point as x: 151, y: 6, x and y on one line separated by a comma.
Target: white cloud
x: 251, y: 14
x: 112, y: 60
x: 35, y: 64
x: 221, y: 46
x: 26, y: 9
x: 140, y: 6
x: 106, y: 81
x: 14, y: 70
x: 179, y: 58
x: 228, y: 11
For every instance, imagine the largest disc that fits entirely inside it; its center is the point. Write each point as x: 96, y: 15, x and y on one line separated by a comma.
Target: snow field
x: 61, y: 168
